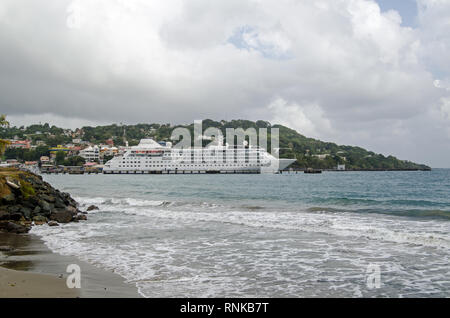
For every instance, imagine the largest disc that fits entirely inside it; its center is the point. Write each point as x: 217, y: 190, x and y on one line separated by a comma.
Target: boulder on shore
x: 25, y: 199
x: 61, y: 216
x: 13, y: 227
x: 4, y: 215
x: 39, y: 220
x: 81, y: 217
x: 92, y: 208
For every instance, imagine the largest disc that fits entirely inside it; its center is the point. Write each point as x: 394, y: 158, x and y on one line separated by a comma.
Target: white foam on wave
x: 432, y: 233
x: 341, y: 224
x: 122, y: 202
x: 125, y: 204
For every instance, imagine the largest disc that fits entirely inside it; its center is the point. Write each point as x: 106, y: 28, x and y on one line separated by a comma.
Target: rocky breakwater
x: 27, y: 200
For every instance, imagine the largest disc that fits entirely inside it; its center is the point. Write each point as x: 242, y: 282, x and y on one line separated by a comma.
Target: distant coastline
x: 75, y: 147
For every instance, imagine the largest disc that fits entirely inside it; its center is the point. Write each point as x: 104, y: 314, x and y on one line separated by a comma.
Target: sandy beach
x: 29, y: 269
x: 19, y: 284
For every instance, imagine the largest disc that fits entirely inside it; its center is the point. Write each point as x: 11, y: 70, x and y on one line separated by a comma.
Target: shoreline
x: 29, y: 269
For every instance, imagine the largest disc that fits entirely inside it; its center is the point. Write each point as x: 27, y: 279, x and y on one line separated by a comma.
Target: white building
x: 108, y: 151
x: 322, y: 157
x: 91, y: 154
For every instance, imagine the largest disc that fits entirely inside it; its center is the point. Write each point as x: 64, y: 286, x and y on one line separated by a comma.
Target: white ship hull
x: 150, y: 157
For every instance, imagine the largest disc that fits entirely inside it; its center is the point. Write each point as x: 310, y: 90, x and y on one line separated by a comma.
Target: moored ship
x: 152, y: 157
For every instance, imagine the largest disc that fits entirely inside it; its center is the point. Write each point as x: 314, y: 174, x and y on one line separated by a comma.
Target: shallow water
x: 264, y: 235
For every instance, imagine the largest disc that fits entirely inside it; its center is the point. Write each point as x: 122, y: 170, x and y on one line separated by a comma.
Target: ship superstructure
x: 152, y: 157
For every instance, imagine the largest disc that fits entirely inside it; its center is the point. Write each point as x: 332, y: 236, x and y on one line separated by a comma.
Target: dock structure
x: 172, y: 172
x: 51, y: 169
x: 302, y: 171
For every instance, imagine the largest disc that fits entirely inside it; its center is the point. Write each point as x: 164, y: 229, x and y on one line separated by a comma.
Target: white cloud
x: 366, y: 79
x: 435, y: 33
x: 445, y: 108
x: 67, y: 122
x: 307, y: 117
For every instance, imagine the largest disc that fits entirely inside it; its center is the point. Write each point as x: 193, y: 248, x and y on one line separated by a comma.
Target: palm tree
x: 3, y: 142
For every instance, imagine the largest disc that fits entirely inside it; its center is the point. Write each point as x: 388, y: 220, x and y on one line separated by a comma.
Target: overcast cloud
x: 338, y: 70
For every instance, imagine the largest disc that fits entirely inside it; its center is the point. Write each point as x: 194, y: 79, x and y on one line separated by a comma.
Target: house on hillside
x: 91, y: 153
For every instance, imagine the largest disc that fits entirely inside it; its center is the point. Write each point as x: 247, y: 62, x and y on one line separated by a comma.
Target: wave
x: 421, y: 214
x: 326, y: 220
x: 105, y: 203
x: 131, y: 202
x: 101, y: 201
x: 346, y: 201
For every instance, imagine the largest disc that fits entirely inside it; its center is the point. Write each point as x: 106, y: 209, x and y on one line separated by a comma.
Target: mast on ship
x: 125, y: 141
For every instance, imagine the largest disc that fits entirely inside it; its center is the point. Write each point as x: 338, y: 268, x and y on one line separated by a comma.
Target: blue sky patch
x: 248, y: 38
x: 406, y: 8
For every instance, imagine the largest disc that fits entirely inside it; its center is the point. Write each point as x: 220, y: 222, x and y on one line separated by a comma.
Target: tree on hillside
x: 3, y: 143
x: 74, y: 161
x: 60, y: 157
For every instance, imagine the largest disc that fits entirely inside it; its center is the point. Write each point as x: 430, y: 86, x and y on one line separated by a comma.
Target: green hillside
x: 308, y: 152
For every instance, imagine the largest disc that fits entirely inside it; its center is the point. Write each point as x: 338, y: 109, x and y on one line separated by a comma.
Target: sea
x: 337, y: 234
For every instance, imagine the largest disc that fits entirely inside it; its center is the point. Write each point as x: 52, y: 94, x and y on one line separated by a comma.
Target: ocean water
x: 329, y: 235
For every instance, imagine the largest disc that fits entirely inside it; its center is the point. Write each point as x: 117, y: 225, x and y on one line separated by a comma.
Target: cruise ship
x: 151, y: 157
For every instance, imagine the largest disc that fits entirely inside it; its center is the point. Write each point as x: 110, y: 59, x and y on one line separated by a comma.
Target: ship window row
x: 198, y: 153
x: 203, y: 161
x: 200, y: 165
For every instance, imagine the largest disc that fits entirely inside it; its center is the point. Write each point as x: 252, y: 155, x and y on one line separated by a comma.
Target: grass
x: 27, y: 189
x: 17, y: 176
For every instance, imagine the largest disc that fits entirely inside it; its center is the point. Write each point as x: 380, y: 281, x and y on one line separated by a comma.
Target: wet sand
x: 29, y: 269
x: 19, y: 284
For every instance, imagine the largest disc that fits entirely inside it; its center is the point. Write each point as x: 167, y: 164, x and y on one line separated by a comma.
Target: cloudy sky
x: 361, y: 72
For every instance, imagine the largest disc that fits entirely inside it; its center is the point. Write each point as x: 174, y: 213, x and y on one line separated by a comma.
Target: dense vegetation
x: 27, y: 154
x: 3, y: 143
x: 293, y: 144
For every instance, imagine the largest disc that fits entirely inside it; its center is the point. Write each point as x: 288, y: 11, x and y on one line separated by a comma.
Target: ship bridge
x: 149, y: 144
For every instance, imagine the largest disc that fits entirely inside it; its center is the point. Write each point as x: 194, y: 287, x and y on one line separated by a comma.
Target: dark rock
x: 36, y: 181
x: 4, y: 215
x: 18, y: 210
x: 6, y: 249
x: 15, y: 216
x: 9, y: 198
x: 62, y: 216
x: 81, y: 217
x: 46, y: 207
x: 53, y: 223
x: 59, y: 204
x: 34, y: 200
x: 12, y: 227
x: 40, y: 220
x: 28, y: 204
x: 72, y: 210
x: 13, y: 209
x: 48, y: 198
x: 37, y: 210
x: 26, y: 212
x: 92, y: 208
